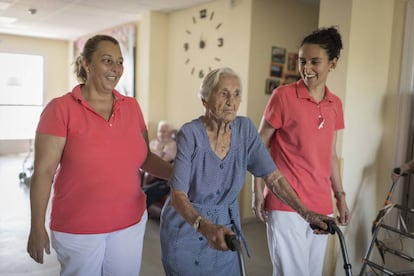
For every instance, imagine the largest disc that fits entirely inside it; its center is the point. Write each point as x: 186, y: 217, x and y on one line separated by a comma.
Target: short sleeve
x: 259, y: 161
x: 339, y: 123
x: 54, y: 119
x: 273, y: 111
x: 182, y: 164
x: 141, y: 121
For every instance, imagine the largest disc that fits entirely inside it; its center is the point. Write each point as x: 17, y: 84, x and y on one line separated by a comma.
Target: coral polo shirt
x: 302, y: 144
x: 97, y: 188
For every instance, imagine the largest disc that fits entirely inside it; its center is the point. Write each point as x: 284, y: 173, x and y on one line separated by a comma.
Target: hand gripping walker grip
x: 397, y: 171
x: 331, y: 226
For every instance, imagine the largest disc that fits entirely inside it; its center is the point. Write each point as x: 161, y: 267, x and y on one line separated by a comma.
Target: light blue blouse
x: 212, y: 185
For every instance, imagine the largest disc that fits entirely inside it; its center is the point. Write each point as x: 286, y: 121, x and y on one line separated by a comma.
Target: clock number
x: 203, y: 13
x: 220, y: 42
x: 202, y: 44
x: 208, y: 16
x: 201, y: 74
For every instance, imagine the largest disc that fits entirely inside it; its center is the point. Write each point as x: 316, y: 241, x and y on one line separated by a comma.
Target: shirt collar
x: 77, y: 94
x: 303, y: 93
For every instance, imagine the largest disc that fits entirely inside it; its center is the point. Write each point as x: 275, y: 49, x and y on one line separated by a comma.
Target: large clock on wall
x: 203, y: 43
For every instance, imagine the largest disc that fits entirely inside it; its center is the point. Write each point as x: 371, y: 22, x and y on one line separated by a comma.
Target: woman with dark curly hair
x: 299, y: 127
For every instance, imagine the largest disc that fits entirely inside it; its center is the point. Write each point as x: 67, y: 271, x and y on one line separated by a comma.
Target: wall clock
x: 203, y: 43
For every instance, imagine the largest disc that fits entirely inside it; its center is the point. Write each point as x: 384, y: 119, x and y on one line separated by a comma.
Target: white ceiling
x: 70, y: 19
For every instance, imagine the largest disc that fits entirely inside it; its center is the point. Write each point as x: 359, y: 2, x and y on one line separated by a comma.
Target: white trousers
x: 293, y: 248
x: 116, y: 253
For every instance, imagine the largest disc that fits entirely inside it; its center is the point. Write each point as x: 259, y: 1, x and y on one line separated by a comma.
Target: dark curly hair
x: 328, y: 39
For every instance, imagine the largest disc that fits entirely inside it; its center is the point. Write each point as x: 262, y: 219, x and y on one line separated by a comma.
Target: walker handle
x: 329, y: 222
x: 397, y: 171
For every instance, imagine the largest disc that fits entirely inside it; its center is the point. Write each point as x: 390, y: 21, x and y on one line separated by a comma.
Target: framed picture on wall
x: 292, y: 63
x: 278, y: 55
x: 271, y: 84
x: 276, y: 70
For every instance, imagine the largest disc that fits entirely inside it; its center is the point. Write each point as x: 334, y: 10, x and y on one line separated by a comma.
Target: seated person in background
x: 165, y: 147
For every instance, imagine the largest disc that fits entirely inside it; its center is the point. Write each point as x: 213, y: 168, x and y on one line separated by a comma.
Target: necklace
x: 321, y: 119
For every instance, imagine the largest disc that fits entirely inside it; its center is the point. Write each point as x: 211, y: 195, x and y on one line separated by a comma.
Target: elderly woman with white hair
x: 213, y: 153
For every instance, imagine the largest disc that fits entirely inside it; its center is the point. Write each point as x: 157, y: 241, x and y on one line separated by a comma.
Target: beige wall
x: 274, y: 23
x: 337, y: 82
x: 57, y: 66
x: 367, y: 80
x: 249, y: 28
x: 151, y: 73
x: 56, y: 60
x: 182, y: 88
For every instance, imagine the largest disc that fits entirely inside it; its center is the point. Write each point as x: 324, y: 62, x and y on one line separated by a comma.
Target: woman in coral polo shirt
x: 299, y: 126
x: 92, y: 142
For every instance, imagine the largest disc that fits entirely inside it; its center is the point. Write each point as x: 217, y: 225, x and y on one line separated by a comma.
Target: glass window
x: 21, y: 95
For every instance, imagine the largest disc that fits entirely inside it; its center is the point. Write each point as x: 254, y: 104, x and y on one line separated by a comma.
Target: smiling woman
x: 97, y: 138
x: 125, y: 34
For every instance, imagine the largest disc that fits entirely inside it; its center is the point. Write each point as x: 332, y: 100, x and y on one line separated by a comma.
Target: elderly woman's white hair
x: 212, y: 79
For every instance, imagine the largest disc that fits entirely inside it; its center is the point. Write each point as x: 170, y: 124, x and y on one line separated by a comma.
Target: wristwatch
x: 196, y: 224
x: 339, y: 194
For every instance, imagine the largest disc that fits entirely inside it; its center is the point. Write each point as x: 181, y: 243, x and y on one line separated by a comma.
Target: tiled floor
x: 14, y: 227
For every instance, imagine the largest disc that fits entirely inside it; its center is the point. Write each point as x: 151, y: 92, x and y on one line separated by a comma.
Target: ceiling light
x: 7, y: 20
x: 32, y: 11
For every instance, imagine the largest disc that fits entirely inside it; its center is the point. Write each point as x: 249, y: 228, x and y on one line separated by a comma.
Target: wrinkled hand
x: 344, y: 215
x: 37, y: 243
x: 258, y: 207
x: 318, y: 220
x: 215, y: 235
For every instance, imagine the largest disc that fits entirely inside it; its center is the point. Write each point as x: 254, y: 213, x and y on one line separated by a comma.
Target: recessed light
x: 32, y: 11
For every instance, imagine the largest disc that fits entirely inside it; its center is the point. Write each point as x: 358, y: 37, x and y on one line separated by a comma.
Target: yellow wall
x: 274, y: 23
x: 249, y: 29
x: 56, y: 59
x: 182, y: 87
x: 56, y: 64
x: 366, y: 79
x: 151, y: 73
